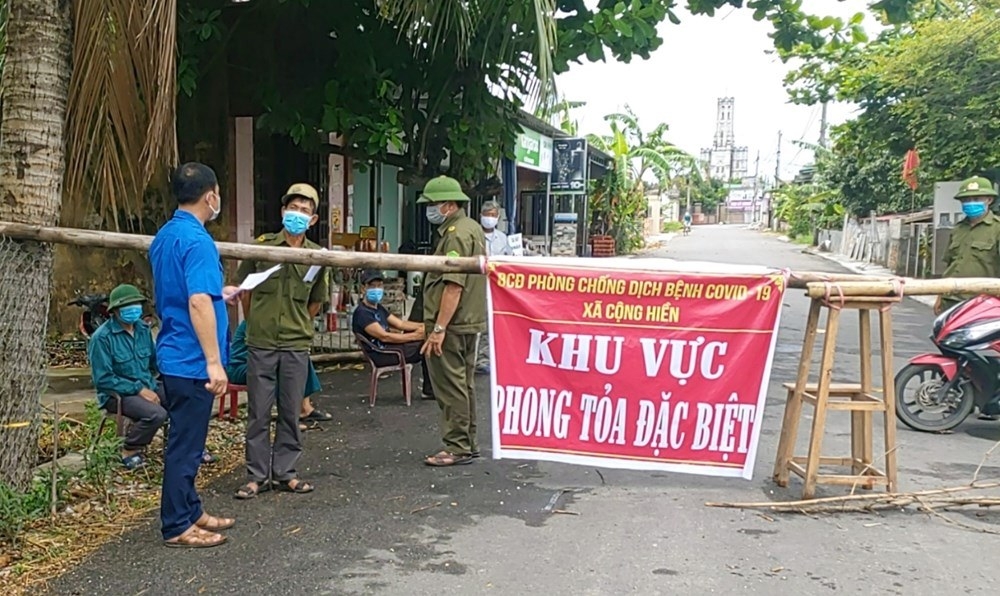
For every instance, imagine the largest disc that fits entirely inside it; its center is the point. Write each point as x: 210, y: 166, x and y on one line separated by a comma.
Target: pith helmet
x: 976, y: 187
x: 441, y: 190
x: 124, y: 295
x: 303, y: 190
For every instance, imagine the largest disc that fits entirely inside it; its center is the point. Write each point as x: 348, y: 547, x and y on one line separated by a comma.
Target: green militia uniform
x: 453, y: 373
x: 279, y: 336
x: 973, y: 251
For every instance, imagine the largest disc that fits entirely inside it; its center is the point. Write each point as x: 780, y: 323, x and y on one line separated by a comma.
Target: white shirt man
x: 496, y: 244
x: 496, y: 241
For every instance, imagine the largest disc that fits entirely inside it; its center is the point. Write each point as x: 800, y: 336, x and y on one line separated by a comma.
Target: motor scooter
x: 936, y: 392
x: 95, y: 312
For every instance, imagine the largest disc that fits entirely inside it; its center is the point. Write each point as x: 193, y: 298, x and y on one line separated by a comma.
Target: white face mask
x: 489, y: 222
x: 215, y: 210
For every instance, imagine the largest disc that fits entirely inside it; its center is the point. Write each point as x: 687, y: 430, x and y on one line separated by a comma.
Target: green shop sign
x: 533, y: 151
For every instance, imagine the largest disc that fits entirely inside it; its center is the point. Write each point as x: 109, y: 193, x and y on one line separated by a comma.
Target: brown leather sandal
x: 444, y: 459
x: 211, y: 523
x: 195, y: 537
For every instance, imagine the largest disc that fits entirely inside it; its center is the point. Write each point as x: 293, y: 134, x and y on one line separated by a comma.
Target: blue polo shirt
x: 185, y: 262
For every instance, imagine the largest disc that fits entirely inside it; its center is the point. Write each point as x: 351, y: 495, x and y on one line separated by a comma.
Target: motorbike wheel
x: 957, y: 407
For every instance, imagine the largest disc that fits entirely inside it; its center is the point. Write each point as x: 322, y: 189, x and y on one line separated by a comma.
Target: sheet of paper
x: 311, y: 274
x: 255, y: 279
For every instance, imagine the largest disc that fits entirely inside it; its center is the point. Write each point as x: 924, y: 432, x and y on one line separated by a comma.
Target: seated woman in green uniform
x: 236, y: 370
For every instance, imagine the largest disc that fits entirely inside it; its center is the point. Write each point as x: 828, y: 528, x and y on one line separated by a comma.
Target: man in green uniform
x: 454, y: 313
x: 280, y: 314
x: 974, y: 248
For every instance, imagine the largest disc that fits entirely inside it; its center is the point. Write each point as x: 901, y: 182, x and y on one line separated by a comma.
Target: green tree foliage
x: 708, y: 192
x: 431, y: 86
x: 618, y: 202
x: 929, y: 85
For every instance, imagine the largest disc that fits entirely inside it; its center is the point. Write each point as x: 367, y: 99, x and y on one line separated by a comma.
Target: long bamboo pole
x: 905, y: 287
x: 349, y: 259
x: 230, y: 250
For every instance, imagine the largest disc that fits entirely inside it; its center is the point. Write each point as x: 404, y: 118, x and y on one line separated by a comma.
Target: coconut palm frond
x: 158, y: 83
x: 431, y: 23
x: 545, y: 34
x: 121, y: 124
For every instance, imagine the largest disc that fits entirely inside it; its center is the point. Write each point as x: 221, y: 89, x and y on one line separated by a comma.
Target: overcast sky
x: 702, y: 59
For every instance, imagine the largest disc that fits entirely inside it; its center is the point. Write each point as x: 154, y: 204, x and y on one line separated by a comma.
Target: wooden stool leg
x: 822, y: 395
x: 793, y: 407
x: 861, y: 421
x: 889, y: 397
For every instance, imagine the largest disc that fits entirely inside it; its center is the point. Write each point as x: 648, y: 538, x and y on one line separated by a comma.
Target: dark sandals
x: 316, y: 416
x: 295, y: 485
x: 247, y: 491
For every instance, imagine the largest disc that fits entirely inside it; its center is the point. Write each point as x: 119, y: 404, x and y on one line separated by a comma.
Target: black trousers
x: 411, y: 355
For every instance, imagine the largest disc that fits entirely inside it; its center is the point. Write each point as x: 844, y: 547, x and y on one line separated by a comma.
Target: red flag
x: 910, y: 164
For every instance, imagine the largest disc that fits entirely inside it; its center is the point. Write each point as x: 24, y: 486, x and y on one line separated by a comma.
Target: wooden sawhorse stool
x: 856, y: 398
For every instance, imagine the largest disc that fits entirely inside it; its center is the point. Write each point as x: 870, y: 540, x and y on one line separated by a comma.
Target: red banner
x: 910, y: 165
x: 624, y: 364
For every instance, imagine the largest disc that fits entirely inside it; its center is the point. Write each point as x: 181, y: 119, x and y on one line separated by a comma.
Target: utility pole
x: 777, y: 163
x: 822, y: 127
x: 756, y: 178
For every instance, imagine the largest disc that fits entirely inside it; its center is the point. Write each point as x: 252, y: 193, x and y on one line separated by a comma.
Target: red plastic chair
x: 233, y: 393
x: 368, y: 348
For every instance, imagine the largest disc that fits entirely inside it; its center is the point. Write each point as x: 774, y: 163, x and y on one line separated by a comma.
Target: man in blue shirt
x: 123, y: 365
x: 191, y: 349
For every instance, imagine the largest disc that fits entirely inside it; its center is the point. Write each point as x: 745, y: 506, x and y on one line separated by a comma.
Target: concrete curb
x: 865, y: 269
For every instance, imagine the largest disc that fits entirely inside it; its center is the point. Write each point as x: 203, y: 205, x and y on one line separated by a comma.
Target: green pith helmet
x: 124, y: 295
x: 976, y: 187
x: 441, y: 190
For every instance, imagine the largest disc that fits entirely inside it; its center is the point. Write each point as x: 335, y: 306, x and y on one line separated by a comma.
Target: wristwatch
x: 438, y: 329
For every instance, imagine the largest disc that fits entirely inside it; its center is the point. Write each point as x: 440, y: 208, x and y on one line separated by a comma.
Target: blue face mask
x: 974, y: 209
x: 374, y: 295
x: 295, y: 223
x: 130, y: 314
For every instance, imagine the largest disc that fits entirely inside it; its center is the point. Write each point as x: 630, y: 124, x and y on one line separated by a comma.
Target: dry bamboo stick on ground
x: 337, y: 357
x: 887, y: 499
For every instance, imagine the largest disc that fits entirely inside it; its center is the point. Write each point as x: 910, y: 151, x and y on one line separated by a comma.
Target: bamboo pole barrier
x: 349, y: 259
x: 257, y: 252
x: 904, y: 287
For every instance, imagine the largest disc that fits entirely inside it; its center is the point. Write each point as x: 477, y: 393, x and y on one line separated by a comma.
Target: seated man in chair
x: 122, y: 358
x: 123, y: 365
x: 388, y: 332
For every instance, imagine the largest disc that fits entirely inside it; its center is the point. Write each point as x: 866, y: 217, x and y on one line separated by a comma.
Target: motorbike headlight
x: 965, y: 337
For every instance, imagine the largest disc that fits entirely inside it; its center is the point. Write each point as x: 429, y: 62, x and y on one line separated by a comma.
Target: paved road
x: 381, y: 523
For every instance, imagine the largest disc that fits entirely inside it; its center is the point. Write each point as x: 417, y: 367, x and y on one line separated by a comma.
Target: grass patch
x: 672, y: 226
x: 806, y: 238
x: 93, y: 506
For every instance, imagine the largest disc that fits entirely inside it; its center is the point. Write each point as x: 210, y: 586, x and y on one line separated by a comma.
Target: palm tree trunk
x: 32, y: 162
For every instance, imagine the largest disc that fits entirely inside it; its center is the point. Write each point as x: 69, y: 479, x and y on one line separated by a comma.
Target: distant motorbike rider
x: 974, y: 248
